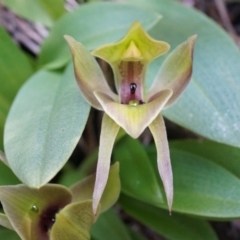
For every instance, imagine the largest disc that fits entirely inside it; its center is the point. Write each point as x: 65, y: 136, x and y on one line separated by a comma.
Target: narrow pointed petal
x: 158, y: 131
x: 83, y: 190
x: 3, y: 158
x: 31, y: 212
x: 175, y: 72
x: 88, y: 73
x: 5, y: 222
x: 109, y: 132
x: 73, y: 222
x: 134, y: 118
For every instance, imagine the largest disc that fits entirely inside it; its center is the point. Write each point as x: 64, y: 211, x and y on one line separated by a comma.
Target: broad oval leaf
x: 224, y: 155
x: 31, y: 10
x: 136, y: 172
x: 201, y: 187
x: 55, y: 8
x: 135, y: 235
x: 173, y: 227
x: 15, y: 69
x: 7, y: 177
x: 93, y: 25
x: 9, y: 235
x: 108, y: 227
x: 44, y: 125
x: 210, y: 106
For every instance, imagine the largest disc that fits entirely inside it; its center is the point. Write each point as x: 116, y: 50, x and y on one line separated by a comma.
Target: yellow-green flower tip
x: 132, y: 53
x: 137, y: 45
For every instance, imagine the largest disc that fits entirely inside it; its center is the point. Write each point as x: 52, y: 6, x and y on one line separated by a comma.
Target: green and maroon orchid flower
x: 54, y: 212
x: 132, y: 108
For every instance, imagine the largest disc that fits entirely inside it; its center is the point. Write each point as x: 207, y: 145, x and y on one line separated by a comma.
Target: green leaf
x: 7, y: 177
x: 9, y: 235
x: 202, y: 187
x: 210, y: 106
x: 135, y: 235
x: 31, y: 10
x: 70, y: 176
x: 226, y: 156
x: 15, y: 69
x: 109, y: 227
x: 42, y: 11
x: 55, y: 8
x: 44, y: 125
x: 173, y: 227
x: 136, y: 173
x: 93, y: 25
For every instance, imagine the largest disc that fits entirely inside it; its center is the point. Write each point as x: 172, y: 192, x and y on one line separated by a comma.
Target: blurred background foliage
x: 203, y: 127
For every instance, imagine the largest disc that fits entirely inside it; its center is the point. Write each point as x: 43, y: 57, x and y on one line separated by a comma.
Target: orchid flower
x: 54, y: 212
x: 132, y: 108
